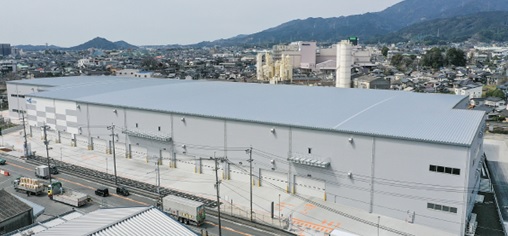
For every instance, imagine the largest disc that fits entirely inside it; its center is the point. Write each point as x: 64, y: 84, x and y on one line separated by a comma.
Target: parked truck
x: 43, y: 171
x: 29, y: 185
x: 185, y: 210
x: 56, y: 192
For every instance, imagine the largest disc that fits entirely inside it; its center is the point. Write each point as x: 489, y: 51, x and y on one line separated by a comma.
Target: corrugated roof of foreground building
x: 395, y: 114
x: 121, y: 221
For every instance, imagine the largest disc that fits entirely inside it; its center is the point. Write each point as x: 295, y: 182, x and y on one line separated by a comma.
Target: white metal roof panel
x: 396, y: 114
x: 121, y: 221
x: 42, y: 226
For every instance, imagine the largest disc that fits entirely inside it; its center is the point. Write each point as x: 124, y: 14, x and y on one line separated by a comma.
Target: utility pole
x: 112, y: 128
x: 46, y: 142
x: 158, y: 179
x: 217, y: 184
x: 25, y: 144
x: 250, y: 180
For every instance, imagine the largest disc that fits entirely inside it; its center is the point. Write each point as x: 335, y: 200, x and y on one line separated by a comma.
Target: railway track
x: 145, y: 189
x: 141, y: 188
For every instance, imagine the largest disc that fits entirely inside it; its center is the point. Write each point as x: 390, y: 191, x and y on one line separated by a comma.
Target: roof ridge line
x: 362, y: 111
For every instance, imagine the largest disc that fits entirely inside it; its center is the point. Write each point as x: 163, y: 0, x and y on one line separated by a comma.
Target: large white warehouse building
x: 409, y: 156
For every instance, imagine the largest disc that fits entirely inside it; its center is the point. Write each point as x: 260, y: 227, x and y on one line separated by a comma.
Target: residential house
x: 471, y: 90
x: 371, y: 82
x: 495, y: 102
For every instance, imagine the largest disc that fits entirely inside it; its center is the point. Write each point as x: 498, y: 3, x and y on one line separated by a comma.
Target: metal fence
x: 241, y: 212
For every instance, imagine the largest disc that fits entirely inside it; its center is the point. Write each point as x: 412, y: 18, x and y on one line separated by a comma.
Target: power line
x: 366, y: 179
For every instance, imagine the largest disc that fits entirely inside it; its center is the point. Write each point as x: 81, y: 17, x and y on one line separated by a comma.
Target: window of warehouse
x: 443, y: 169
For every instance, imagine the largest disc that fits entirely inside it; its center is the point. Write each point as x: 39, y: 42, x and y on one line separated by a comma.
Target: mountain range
x: 98, y: 42
x: 425, y: 20
x: 483, y: 26
x: 366, y: 26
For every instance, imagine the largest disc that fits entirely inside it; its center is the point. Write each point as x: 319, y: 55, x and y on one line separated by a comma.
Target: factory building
x: 341, y: 58
x: 407, y: 156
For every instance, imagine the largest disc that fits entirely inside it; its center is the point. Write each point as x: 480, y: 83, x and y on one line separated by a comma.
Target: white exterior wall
x: 308, y: 55
x: 361, y: 56
x: 17, y: 103
x: 389, y: 177
x: 413, y: 185
x: 344, y: 157
x: 127, y: 72
x: 471, y: 92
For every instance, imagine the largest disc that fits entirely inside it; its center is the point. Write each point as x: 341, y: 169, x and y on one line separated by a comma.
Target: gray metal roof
x: 37, y: 209
x: 11, y: 206
x: 121, y: 221
x: 386, y: 113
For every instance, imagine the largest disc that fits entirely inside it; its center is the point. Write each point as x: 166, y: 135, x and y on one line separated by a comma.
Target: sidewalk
x: 306, y: 218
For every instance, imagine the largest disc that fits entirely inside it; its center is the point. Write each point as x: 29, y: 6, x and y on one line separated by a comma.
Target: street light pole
x: 112, y: 128
x: 46, y: 142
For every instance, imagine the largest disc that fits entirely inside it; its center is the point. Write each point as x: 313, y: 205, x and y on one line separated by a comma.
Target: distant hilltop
x: 102, y: 43
x: 98, y: 43
x: 427, y: 21
x: 371, y: 27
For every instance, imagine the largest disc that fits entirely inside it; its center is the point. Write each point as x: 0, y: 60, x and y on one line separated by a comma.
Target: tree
x: 433, y: 58
x: 455, y: 57
x: 384, y: 51
x: 496, y: 93
x: 396, y: 60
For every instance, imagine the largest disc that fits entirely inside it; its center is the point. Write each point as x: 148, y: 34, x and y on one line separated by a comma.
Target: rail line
x: 144, y: 189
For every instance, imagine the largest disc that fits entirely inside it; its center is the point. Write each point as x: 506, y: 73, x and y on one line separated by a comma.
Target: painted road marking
x: 21, y: 167
x: 323, y: 227
x: 307, y: 208
x: 229, y: 229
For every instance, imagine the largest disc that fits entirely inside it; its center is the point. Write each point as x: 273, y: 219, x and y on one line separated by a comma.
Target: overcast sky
x: 69, y: 23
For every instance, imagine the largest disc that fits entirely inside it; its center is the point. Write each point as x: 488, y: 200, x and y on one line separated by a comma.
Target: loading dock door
x: 208, y: 166
x: 186, y: 163
x: 274, y: 179
x: 309, y: 187
x: 239, y: 173
x: 138, y: 152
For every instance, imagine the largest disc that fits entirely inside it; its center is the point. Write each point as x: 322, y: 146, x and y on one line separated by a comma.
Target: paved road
x: 305, y: 215
x: 17, y: 168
